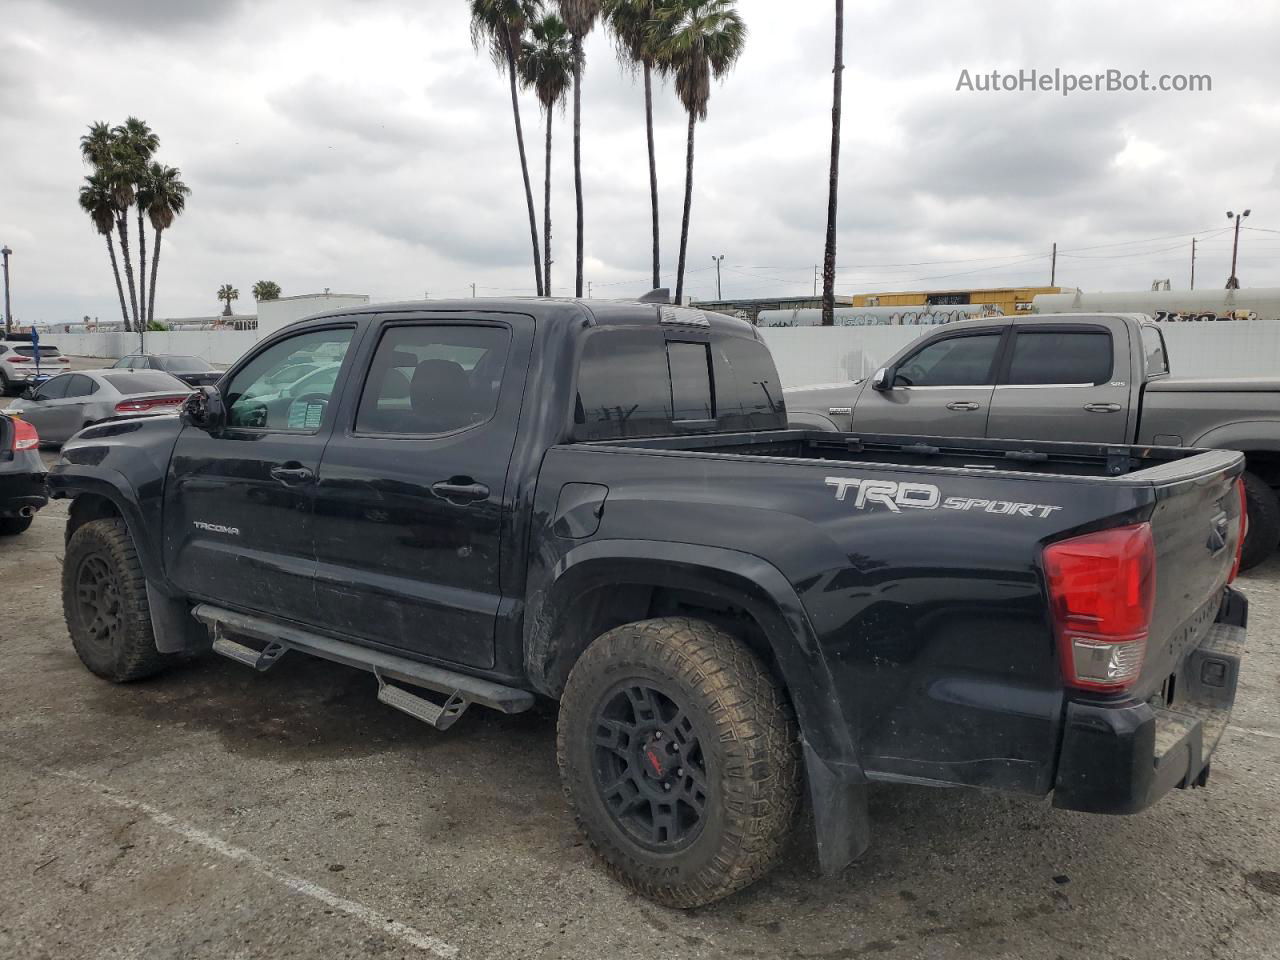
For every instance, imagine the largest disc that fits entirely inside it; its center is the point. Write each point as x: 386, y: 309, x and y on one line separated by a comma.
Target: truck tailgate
x: 1196, y: 525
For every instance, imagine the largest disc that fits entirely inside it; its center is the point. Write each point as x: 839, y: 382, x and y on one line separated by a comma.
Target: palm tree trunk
x: 142, y: 272
x: 546, y: 215
x: 688, y: 202
x: 155, y: 266
x: 122, y: 225
x: 115, y: 269
x: 653, y: 170
x: 577, y: 152
x: 829, y: 258
x: 524, y: 170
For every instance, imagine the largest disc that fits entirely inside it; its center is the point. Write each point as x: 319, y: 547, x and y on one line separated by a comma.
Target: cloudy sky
x: 362, y: 145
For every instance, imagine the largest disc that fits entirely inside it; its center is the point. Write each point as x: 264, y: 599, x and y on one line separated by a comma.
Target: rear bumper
x: 1123, y: 758
x: 22, y: 485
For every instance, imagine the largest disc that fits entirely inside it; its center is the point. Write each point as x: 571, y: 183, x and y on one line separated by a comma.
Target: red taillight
x: 63, y: 360
x: 17, y: 359
x: 149, y: 404
x: 25, y: 436
x: 1244, y: 529
x: 1102, y: 588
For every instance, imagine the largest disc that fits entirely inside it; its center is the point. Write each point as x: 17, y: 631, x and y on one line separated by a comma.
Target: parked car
x: 603, y: 504
x: 21, y: 475
x: 19, y: 368
x: 1101, y: 379
x: 190, y: 370
x: 72, y: 401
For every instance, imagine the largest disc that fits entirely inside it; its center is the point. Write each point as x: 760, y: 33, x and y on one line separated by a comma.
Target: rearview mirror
x: 880, y: 381
x: 205, y: 410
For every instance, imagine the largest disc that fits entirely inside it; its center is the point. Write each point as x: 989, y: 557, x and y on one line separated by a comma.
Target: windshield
x: 144, y: 381
x: 184, y: 364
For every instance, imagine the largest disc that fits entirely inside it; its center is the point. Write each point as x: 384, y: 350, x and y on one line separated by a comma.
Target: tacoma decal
x: 925, y: 496
x: 216, y: 528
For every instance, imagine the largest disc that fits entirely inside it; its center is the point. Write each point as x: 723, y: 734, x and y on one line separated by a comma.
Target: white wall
x: 274, y: 314
x: 807, y: 355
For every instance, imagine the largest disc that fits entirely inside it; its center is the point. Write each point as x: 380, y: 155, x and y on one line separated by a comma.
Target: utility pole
x: 719, y: 295
x: 473, y: 290
x: 8, y: 315
x: 1193, y: 263
x: 1053, y: 266
x: 815, y: 280
x: 590, y: 283
x: 1233, y: 282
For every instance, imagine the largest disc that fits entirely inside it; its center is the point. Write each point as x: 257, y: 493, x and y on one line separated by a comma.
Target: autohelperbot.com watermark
x: 1067, y: 82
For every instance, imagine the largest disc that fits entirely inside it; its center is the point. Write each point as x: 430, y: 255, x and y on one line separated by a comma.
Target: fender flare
x: 740, y: 578
x: 809, y: 419
x: 1251, y: 435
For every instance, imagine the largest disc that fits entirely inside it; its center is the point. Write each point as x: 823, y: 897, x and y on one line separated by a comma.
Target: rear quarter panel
x: 932, y: 620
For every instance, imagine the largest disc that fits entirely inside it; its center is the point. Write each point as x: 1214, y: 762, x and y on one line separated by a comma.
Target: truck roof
x: 599, y: 313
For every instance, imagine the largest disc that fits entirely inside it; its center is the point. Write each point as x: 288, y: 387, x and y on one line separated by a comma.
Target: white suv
x: 18, y: 365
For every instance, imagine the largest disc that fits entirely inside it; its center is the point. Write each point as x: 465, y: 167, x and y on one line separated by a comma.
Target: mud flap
x: 172, y: 625
x: 840, y: 817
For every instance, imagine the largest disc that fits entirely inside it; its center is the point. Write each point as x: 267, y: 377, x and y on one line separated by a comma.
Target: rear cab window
x: 1157, y: 358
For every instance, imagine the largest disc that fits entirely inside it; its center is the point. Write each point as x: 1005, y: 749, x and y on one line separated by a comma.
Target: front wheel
x: 1263, y: 508
x: 679, y: 755
x: 104, y: 601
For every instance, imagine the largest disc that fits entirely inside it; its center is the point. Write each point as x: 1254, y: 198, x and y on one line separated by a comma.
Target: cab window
x: 1060, y: 357
x: 953, y: 362
x: 258, y: 397
x: 55, y: 389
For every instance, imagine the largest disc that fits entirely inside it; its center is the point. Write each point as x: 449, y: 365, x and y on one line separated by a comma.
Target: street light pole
x: 719, y: 295
x: 8, y: 315
x: 1233, y: 282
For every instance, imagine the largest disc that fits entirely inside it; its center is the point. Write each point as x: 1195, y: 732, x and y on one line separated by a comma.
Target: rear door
x: 943, y: 388
x: 412, y: 498
x: 1067, y: 381
x: 239, y: 501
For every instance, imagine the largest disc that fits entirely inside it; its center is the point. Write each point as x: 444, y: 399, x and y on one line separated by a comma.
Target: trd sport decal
x: 925, y: 496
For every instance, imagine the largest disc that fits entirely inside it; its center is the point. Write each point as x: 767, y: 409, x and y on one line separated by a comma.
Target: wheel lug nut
x: 675, y: 746
x: 679, y: 771
x: 666, y: 786
x: 658, y: 735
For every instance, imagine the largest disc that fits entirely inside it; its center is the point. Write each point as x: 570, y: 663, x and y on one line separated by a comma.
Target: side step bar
x: 460, y: 688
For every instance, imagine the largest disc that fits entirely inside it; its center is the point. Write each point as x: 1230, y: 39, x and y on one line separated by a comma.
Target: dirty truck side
x: 485, y: 502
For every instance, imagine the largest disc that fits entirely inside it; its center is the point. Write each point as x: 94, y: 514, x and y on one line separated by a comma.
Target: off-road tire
x: 750, y: 747
x: 12, y: 526
x: 1264, y: 521
x: 127, y: 649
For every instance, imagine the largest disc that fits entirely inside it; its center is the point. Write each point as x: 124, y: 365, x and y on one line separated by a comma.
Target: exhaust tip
x: 27, y: 512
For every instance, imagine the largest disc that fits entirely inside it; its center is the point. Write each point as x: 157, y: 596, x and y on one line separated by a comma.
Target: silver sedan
x: 65, y: 405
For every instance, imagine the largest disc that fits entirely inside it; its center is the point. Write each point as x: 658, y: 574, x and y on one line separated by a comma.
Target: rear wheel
x: 104, y: 601
x: 679, y: 755
x: 11, y: 526
x: 1264, y: 521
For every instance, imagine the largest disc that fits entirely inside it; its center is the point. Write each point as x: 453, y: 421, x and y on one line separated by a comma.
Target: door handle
x: 291, y: 472
x: 962, y: 405
x: 1102, y: 407
x: 460, y: 490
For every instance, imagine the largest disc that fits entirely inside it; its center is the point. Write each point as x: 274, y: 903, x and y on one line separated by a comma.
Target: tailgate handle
x: 1102, y: 407
x: 962, y: 405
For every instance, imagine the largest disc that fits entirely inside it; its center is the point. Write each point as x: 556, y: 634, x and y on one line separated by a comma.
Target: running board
x: 460, y: 689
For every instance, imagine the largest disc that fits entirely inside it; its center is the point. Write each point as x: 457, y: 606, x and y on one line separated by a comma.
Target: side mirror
x: 880, y: 381
x: 205, y: 410
x: 28, y: 393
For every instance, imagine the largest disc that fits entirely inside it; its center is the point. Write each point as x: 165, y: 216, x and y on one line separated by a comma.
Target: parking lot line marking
x: 367, y: 915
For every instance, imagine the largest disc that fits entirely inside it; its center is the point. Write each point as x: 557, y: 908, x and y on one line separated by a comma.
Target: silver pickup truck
x: 1103, y: 379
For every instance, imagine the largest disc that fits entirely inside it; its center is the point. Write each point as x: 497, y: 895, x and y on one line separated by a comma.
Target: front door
x: 55, y: 416
x: 412, y: 498
x: 239, y: 501
x: 1058, y: 383
x: 941, y: 389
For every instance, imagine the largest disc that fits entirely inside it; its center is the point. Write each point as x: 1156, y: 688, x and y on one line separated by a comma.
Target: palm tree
x: 629, y: 22
x: 97, y: 202
x: 580, y: 17
x: 163, y: 195
x: 499, y: 25
x: 228, y: 293
x: 695, y: 41
x: 266, y: 290
x: 829, y: 257
x: 138, y: 142
x: 546, y: 65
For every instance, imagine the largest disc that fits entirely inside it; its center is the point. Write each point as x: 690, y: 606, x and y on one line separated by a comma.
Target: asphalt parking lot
x: 214, y: 812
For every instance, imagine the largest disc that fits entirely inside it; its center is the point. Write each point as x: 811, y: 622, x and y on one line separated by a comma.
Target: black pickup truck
x: 481, y: 502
